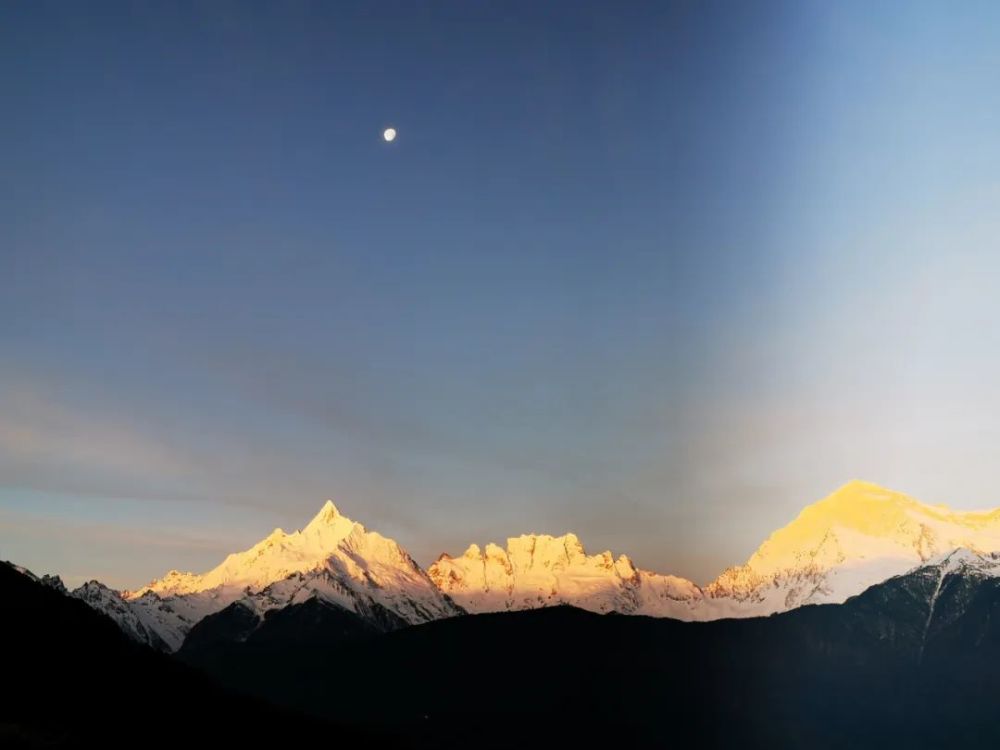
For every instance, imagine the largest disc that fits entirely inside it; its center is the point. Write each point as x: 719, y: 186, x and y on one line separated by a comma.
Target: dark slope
x: 312, y: 623
x: 882, y: 670
x: 234, y: 639
x: 71, y: 678
x: 234, y: 624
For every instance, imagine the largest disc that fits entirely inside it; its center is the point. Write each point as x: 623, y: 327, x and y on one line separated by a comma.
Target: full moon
x: 389, y: 135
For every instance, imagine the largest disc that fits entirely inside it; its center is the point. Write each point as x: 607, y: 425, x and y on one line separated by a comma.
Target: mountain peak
x: 861, y: 505
x: 332, y: 557
x: 858, y: 491
x: 537, y: 541
x: 327, y: 514
x: 274, y: 557
x: 859, y: 534
x: 539, y: 570
x: 329, y: 527
x: 860, y: 486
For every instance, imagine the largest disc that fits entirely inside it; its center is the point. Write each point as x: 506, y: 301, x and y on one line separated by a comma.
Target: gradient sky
x: 660, y: 274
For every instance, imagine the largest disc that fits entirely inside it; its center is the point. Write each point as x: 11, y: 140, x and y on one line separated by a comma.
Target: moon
x: 389, y: 135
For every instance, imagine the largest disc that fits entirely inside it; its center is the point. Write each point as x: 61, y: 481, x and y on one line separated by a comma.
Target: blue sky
x: 659, y: 274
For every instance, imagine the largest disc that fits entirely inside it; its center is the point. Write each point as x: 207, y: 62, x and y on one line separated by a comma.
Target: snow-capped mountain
x: 540, y: 570
x: 332, y: 558
x: 860, y: 535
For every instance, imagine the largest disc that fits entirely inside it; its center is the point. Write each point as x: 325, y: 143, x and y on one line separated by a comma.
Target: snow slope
x: 333, y: 558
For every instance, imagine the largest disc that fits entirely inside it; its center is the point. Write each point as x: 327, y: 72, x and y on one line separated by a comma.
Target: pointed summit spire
x: 330, y: 524
x: 326, y: 514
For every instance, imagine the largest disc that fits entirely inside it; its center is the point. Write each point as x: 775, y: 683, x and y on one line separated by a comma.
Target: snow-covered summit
x: 857, y: 536
x: 332, y: 557
x: 537, y: 570
x: 275, y: 557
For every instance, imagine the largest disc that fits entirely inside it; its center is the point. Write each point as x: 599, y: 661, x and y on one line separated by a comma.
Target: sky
x: 660, y: 274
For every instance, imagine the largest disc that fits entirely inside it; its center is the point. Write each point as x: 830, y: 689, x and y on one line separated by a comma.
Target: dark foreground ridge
x: 908, y: 663
x: 71, y: 678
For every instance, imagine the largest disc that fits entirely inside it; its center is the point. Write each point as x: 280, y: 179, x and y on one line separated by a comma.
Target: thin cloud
x: 14, y: 522
x: 39, y: 432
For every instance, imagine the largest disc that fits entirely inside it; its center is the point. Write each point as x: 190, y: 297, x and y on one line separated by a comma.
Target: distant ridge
x: 857, y: 536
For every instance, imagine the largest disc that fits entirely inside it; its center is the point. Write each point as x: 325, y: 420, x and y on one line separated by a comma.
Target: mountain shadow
x: 72, y: 678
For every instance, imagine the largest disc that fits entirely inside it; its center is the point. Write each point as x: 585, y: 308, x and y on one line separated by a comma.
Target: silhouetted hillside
x: 908, y: 663
x: 72, y: 678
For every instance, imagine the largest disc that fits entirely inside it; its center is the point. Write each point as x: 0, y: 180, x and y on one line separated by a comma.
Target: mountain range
x: 858, y: 536
x: 907, y: 663
x: 910, y: 662
x: 881, y: 631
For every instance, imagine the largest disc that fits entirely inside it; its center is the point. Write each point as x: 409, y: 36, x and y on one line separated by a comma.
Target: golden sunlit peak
x: 858, y: 491
x: 327, y: 513
x: 863, y: 486
x: 329, y: 525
